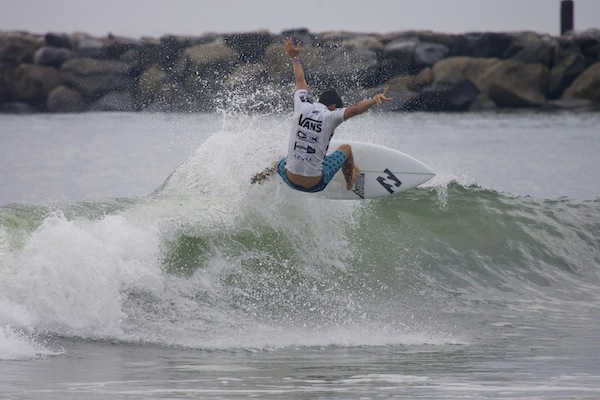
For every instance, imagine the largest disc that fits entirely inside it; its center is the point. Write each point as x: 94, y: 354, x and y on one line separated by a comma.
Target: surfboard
x: 383, y: 172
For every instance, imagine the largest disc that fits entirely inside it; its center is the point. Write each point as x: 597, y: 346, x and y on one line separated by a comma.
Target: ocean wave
x: 266, y: 267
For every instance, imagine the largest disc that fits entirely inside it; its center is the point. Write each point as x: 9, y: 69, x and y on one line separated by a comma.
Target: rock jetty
x: 424, y: 70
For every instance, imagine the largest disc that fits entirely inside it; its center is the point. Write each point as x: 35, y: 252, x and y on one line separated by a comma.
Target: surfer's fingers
x: 384, y: 95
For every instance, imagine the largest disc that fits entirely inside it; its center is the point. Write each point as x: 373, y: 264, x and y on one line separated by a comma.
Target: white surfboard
x: 383, y: 172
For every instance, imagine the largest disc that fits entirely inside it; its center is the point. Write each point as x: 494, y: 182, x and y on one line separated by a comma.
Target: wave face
x: 209, y: 261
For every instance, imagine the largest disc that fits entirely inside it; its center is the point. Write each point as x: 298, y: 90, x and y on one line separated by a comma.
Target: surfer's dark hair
x: 331, y: 97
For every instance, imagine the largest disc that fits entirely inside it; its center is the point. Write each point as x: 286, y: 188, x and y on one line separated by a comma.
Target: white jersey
x: 312, y: 128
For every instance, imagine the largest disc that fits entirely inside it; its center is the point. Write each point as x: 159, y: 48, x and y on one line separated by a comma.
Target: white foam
x: 16, y: 345
x: 103, y: 277
x: 71, y: 276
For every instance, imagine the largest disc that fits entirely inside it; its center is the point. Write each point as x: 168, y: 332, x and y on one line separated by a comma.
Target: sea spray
x: 210, y: 261
x: 270, y: 268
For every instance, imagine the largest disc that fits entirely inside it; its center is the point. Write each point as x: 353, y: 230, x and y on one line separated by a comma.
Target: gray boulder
x: 530, y: 47
x: 171, y: 47
x: 206, y: 56
x: 588, y: 42
x: 250, y: 46
x: 427, y: 54
x: 18, y: 47
x: 150, y: 84
x: 464, y: 67
x: 516, y: 84
x: 451, y: 95
x: 94, y: 77
x: 587, y: 85
x: 85, y: 45
x: 343, y: 68
x: 203, y: 68
x: 397, y: 58
x: 114, y: 101
x: 569, y: 63
x: 509, y: 83
x: 149, y: 52
x: 3, y: 94
x: 51, y: 56
x: 408, y: 54
x: 400, y: 51
x: 30, y: 83
x: 59, y: 40
x: 369, y: 42
x: 64, y: 99
x: 422, y: 36
x: 158, y: 91
x: 116, y: 46
x: 483, y: 45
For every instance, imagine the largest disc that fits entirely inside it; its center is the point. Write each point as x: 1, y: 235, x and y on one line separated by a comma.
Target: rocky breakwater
x: 425, y: 71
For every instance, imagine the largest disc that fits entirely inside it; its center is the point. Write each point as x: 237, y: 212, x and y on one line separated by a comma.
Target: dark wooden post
x: 566, y: 16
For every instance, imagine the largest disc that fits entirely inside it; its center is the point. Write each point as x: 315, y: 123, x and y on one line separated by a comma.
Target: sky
x: 155, y: 18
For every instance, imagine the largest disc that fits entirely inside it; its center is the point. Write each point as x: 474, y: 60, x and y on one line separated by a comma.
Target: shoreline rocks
x: 425, y: 71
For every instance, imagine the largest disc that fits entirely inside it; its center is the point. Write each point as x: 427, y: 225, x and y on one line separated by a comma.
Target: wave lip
x: 214, y: 263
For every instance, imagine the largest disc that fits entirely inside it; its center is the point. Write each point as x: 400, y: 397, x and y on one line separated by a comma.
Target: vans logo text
x: 309, y: 123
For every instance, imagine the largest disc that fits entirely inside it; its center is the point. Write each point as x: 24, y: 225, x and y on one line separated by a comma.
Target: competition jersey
x: 313, y: 125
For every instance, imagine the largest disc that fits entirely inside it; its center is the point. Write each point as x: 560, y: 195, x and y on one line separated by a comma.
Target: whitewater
x: 137, y: 261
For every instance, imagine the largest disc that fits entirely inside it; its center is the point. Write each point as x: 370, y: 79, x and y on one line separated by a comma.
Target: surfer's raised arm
x: 294, y: 53
x: 364, y: 105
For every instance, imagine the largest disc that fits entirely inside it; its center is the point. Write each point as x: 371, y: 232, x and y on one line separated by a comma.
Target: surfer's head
x: 331, y: 98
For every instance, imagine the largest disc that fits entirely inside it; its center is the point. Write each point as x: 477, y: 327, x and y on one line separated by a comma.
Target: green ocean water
x: 150, y: 267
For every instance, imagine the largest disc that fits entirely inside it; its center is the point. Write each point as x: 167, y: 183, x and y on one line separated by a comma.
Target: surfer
x: 307, y: 167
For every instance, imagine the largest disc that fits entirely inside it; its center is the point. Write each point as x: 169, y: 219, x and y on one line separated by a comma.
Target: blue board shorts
x: 331, y: 165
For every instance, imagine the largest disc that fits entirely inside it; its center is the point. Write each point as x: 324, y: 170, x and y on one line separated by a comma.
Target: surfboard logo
x: 390, y: 181
x: 359, y: 186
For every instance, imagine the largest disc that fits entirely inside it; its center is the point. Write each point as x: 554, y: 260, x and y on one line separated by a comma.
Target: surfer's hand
x: 381, y: 97
x: 291, y: 50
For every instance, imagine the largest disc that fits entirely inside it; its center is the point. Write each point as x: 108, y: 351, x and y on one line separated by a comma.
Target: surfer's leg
x: 349, y: 170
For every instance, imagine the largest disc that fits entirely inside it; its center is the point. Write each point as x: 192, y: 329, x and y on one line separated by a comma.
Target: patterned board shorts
x: 331, y: 165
